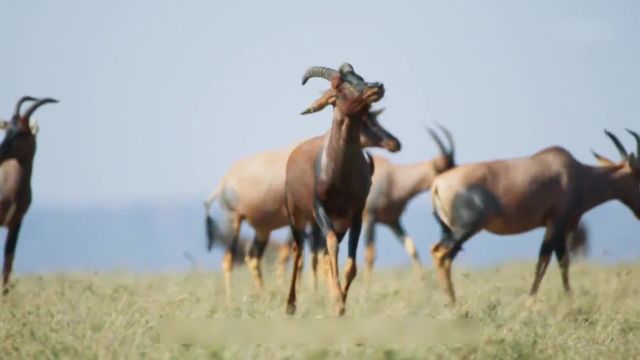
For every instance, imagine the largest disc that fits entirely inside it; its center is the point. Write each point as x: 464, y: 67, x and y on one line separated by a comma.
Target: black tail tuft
x: 578, y: 241
x: 212, y: 232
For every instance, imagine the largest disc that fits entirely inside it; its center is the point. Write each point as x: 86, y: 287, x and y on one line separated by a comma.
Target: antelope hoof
x: 340, y: 309
x: 291, y: 309
x: 531, y: 301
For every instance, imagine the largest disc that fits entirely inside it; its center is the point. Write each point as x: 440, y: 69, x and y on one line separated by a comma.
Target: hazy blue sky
x: 159, y: 98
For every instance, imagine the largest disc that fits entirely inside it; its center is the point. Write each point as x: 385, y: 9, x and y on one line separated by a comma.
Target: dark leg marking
x: 351, y: 268
x: 9, y: 254
x: 552, y: 237
x: 298, y: 242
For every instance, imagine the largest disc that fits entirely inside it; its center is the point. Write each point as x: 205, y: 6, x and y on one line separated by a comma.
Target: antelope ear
x: 602, y: 160
x: 328, y: 98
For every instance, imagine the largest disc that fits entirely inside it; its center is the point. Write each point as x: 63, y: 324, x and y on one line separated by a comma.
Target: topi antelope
x: 550, y: 189
x: 253, y: 191
x: 16, y: 164
x: 391, y: 189
x: 328, y: 179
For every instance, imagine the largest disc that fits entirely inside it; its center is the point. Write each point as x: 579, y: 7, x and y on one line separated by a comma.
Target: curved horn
x: 318, y: 71
x: 20, y: 102
x: 637, y: 137
x: 618, y: 145
x: 35, y: 106
x: 447, y: 134
x: 436, y: 138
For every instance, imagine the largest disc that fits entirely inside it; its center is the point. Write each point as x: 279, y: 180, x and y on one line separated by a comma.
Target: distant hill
x: 155, y: 236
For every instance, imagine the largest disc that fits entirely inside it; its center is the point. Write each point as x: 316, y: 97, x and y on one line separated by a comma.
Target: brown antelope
x: 391, y: 189
x: 328, y: 178
x: 253, y: 191
x: 549, y: 189
x: 16, y: 164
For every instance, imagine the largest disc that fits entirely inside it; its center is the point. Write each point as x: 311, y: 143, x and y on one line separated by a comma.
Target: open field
x: 116, y: 315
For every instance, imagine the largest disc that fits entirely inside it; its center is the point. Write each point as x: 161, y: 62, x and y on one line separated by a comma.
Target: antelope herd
x: 328, y: 185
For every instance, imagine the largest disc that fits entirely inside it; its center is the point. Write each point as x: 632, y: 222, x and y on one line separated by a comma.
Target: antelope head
x: 19, y: 140
x: 446, y: 159
x: 372, y: 133
x: 350, y: 94
x: 626, y: 175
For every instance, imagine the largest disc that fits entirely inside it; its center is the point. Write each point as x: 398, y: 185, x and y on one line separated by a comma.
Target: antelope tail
x: 211, y: 227
x: 578, y: 241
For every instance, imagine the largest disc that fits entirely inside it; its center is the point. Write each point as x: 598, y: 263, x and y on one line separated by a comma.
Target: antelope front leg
x: 350, y: 269
x: 316, y: 247
x: 9, y: 253
x: 332, y: 242
x: 409, y: 246
x: 297, y: 254
x: 562, y: 255
x: 336, y: 291
x: 551, y: 237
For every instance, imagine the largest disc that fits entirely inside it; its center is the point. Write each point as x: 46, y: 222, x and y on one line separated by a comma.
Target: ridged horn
x: 318, y: 71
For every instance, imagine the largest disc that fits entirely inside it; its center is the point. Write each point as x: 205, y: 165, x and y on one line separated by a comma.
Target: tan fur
x: 393, y: 186
x: 530, y: 189
x: 549, y: 189
x: 328, y: 179
x: 253, y: 189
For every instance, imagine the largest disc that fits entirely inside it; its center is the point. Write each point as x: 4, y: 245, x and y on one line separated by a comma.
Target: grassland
x: 116, y: 315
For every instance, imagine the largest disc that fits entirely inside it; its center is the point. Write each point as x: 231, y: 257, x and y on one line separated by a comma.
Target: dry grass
x: 116, y: 315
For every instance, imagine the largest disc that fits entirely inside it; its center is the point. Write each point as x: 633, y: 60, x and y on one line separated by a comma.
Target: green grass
x: 116, y: 315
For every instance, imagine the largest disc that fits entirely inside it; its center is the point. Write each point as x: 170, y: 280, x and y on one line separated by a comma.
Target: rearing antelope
x: 550, y: 189
x: 16, y: 164
x: 393, y: 186
x: 253, y: 191
x: 328, y: 178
